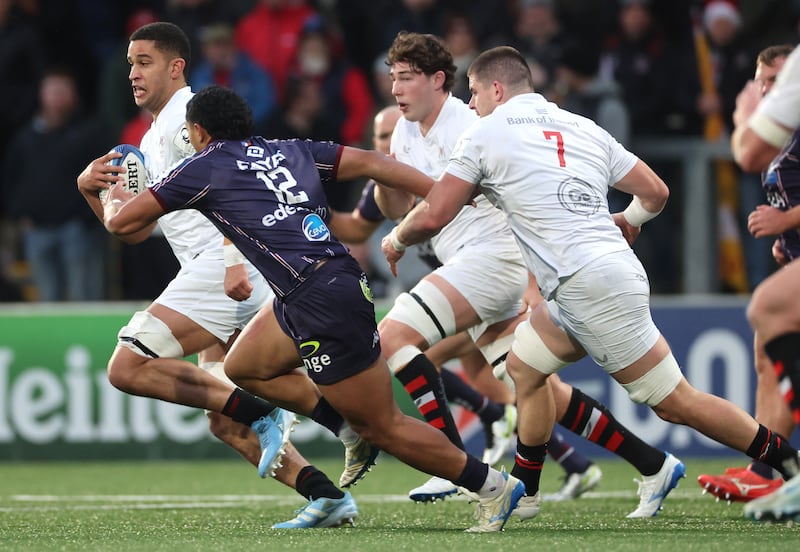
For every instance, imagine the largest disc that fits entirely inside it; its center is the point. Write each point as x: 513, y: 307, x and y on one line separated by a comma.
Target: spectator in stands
x: 224, y: 64
x: 419, y: 16
x: 346, y: 94
x: 580, y: 88
x: 538, y: 35
x: 381, y: 81
x: 192, y: 16
x: 22, y: 63
x: 733, y: 59
x: 269, y: 34
x: 462, y: 42
x: 656, y: 72
x: 301, y: 114
x: 62, y: 241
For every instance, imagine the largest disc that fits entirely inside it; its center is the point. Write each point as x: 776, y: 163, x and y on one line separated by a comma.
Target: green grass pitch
x: 223, y: 505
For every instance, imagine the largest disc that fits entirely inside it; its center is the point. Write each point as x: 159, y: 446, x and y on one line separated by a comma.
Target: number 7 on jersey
x: 549, y: 135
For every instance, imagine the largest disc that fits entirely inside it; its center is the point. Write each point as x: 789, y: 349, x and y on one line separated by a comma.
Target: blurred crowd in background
x: 665, y: 69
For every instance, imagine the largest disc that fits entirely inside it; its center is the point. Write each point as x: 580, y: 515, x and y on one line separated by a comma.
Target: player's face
x: 414, y: 91
x: 766, y: 74
x: 151, y: 75
x: 382, y: 131
x: 483, y: 97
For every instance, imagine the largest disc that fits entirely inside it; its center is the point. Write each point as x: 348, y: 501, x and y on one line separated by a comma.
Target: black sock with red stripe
x: 773, y: 449
x: 424, y: 384
x: 528, y: 464
x: 245, y: 408
x: 784, y: 352
x: 312, y: 484
x: 592, y: 420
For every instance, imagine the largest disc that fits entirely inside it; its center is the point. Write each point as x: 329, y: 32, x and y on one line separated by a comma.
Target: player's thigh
x: 489, y: 282
x: 192, y: 336
x: 262, y: 349
x: 775, y: 306
x: 605, y: 307
x: 455, y: 346
x: 198, y: 293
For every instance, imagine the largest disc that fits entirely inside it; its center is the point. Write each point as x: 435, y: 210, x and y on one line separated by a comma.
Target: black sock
x: 762, y: 469
x: 528, y: 464
x: 325, y: 415
x: 474, y: 474
x: 312, y: 483
x: 245, y: 408
x: 774, y: 450
x: 570, y: 460
x: 463, y: 394
x: 784, y: 352
x: 592, y: 420
x: 424, y: 384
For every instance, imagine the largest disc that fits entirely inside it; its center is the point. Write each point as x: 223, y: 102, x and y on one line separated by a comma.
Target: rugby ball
x: 133, y: 161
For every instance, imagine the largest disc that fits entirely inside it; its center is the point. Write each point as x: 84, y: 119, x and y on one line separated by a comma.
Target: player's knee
x: 123, y: 370
x: 149, y: 337
x: 531, y: 350
x: 656, y: 385
x: 425, y: 311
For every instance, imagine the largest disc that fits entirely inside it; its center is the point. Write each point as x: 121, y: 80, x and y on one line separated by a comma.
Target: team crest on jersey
x: 315, y: 229
x: 578, y: 196
x: 181, y: 141
x: 365, y: 289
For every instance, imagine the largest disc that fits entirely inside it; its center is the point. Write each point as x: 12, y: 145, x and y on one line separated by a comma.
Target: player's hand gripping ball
x: 135, y: 177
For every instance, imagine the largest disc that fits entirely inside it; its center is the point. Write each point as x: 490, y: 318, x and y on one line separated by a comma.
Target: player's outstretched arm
x: 358, y: 163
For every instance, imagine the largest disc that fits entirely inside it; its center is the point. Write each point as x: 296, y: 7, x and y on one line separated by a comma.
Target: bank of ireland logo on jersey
x: 311, y: 360
x: 578, y: 197
x: 315, y: 229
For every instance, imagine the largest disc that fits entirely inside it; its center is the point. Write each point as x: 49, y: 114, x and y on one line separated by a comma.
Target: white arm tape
x: 768, y: 130
x: 231, y: 255
x: 396, y: 243
x: 636, y: 214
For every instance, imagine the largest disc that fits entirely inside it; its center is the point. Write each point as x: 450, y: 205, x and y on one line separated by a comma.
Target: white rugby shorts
x: 605, y: 306
x: 491, y: 279
x: 198, y: 292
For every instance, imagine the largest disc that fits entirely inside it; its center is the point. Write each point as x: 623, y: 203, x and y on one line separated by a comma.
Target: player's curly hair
x: 168, y: 38
x: 426, y: 53
x: 222, y: 112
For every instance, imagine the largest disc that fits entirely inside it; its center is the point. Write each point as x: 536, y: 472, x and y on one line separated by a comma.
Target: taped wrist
x: 231, y: 255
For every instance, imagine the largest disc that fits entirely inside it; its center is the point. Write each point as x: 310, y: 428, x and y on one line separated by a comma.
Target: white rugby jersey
x: 430, y: 155
x: 782, y: 102
x: 549, y: 170
x: 165, y: 144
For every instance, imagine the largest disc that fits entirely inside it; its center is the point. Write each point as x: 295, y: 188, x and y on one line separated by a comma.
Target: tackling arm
x: 125, y: 214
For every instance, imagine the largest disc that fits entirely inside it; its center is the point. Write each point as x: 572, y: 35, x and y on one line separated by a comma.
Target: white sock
x: 493, y: 485
x: 347, y: 436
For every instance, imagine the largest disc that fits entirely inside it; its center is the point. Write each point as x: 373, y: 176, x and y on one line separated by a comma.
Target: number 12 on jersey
x: 551, y: 134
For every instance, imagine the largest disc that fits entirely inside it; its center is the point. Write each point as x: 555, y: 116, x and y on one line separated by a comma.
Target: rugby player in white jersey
x: 193, y: 314
x: 549, y: 171
x: 481, y: 284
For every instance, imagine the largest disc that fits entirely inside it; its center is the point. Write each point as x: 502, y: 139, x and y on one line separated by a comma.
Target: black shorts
x: 331, y: 319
